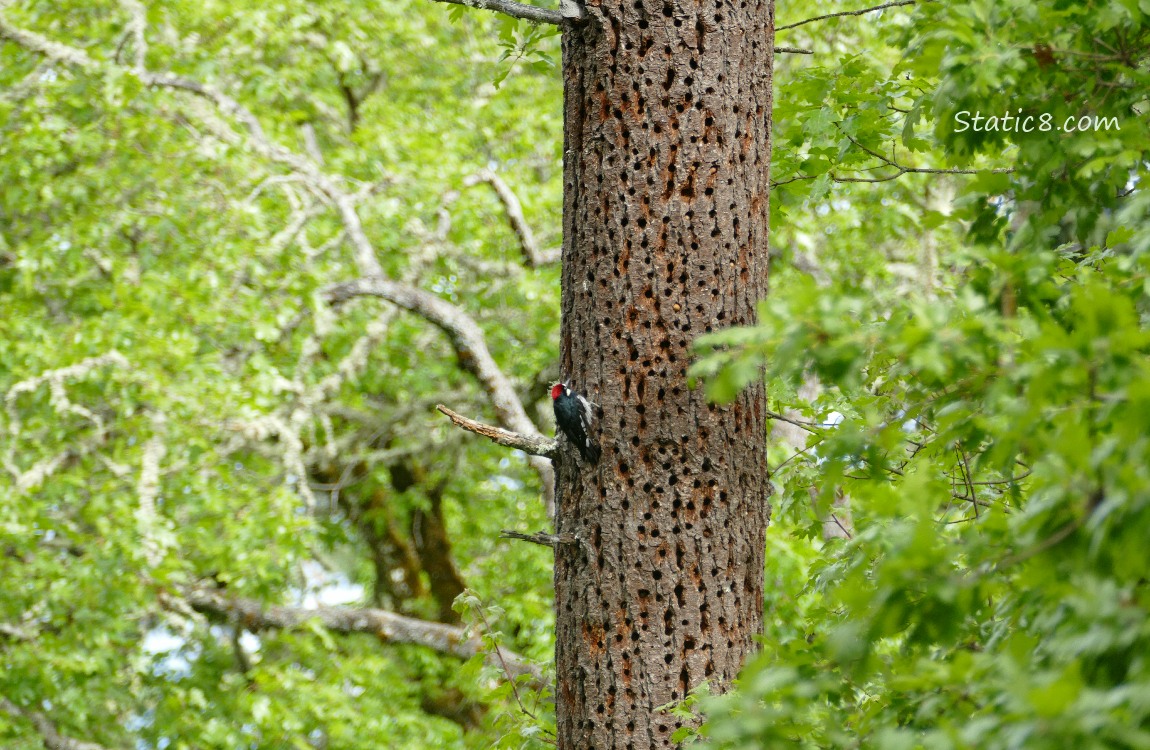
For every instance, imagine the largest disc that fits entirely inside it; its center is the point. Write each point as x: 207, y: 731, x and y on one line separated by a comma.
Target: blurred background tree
x: 189, y: 428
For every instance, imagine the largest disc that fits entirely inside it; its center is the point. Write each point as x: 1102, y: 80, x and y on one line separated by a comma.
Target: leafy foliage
x: 994, y: 441
x: 160, y: 280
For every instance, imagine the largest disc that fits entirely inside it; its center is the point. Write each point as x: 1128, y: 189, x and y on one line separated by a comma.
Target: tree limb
x: 811, y: 427
x: 864, y: 11
x: 515, y: 10
x: 470, y: 348
x: 387, y: 626
x: 53, y: 740
x: 535, y: 14
x: 540, y: 537
x: 535, y: 445
x: 903, y: 169
x: 887, y: 178
x: 527, y: 243
x: 464, y: 333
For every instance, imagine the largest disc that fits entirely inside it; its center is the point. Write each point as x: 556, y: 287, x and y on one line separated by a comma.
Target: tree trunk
x: 666, y: 160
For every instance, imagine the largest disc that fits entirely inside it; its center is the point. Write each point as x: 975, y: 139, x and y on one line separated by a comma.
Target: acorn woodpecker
x: 573, y: 415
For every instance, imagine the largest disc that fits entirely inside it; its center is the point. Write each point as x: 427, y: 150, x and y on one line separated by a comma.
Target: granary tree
x: 659, y: 545
x: 667, y: 154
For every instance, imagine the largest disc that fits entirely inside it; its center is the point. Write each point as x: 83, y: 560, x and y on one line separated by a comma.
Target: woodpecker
x: 573, y: 415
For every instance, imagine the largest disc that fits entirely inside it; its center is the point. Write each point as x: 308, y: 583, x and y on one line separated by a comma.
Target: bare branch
x: 466, y: 338
x: 58, y: 397
x: 35, y: 475
x: 536, y: 445
x: 515, y: 218
x: 515, y: 10
x: 539, y: 537
x: 862, y: 12
x: 887, y: 178
x: 793, y: 51
x: 470, y: 348
x: 389, y: 627
x: 61, y: 53
x: 53, y: 740
x: 842, y: 529
x: 137, y: 26
x: 903, y: 169
x: 811, y: 427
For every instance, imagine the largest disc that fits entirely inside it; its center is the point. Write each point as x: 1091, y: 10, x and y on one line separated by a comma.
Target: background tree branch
x: 387, y: 626
x: 53, y: 740
x: 861, y: 12
x: 513, y: 9
x: 466, y: 336
x: 470, y: 348
x: 514, y: 209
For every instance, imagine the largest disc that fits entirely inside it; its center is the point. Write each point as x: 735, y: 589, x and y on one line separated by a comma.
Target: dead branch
x: 515, y: 10
x: 535, y: 445
x: 540, y: 537
x: 389, y: 627
x: 470, y: 348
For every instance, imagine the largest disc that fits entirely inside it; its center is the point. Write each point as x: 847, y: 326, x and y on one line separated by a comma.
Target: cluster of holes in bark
x: 673, y: 613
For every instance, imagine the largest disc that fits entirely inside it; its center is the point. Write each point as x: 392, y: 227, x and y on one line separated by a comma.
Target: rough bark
x: 668, y: 107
